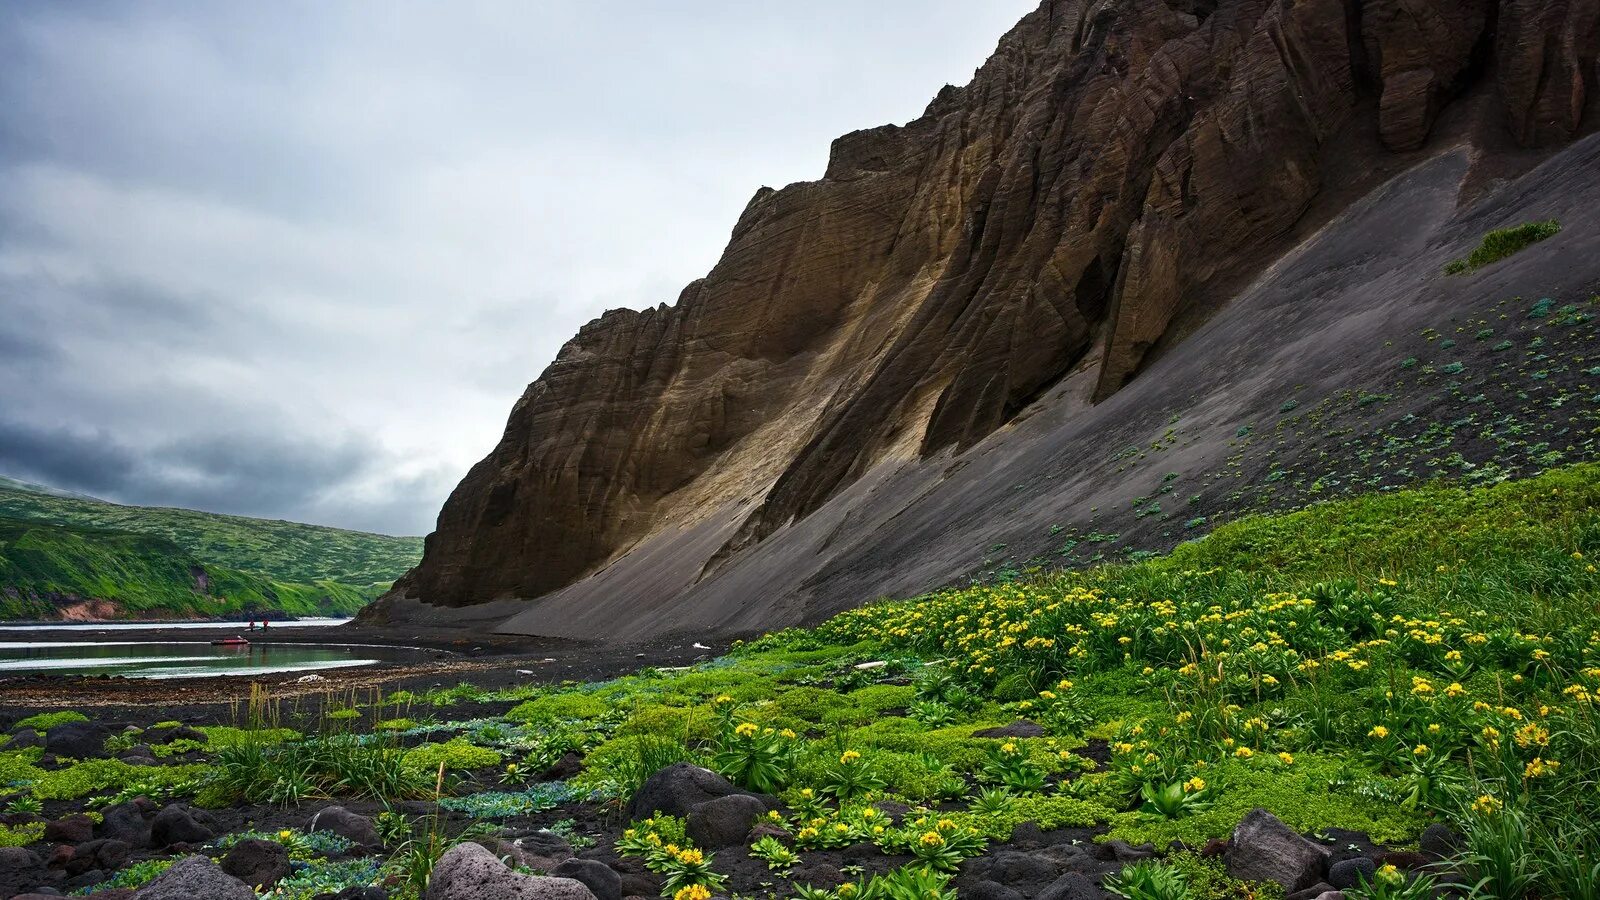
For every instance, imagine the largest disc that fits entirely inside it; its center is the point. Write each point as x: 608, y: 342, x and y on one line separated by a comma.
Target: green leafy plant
x: 778, y: 857
x: 757, y: 758
x: 1148, y: 880
x: 853, y: 776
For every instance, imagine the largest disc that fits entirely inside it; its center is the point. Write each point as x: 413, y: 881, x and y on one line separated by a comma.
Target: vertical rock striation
x: 1113, y: 167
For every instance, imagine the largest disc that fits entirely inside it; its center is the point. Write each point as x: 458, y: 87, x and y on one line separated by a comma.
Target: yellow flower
x: 1486, y: 805
x: 1455, y: 689
x: 691, y: 857
x: 1420, y: 750
x: 748, y: 729
x: 1008, y: 747
x: 848, y: 757
x: 723, y: 698
x: 1379, y: 732
x: 1194, y: 785
x: 848, y: 889
x: 1286, y: 758
x: 693, y: 892
x: 1244, y: 753
x: 285, y: 835
x: 1540, y: 767
x: 932, y: 839
x: 788, y: 733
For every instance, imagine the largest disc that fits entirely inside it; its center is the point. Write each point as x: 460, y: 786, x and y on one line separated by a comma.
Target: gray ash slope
x: 1039, y: 326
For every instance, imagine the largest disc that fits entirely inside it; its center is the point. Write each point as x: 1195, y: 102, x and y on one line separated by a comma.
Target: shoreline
x: 490, y: 661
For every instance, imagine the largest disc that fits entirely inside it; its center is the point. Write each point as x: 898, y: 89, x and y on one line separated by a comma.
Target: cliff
x: 1029, y: 248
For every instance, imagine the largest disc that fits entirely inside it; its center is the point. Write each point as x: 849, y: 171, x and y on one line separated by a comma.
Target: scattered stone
x: 677, y: 790
x: 1348, y: 873
x: 79, y: 740
x: 725, y: 821
x: 469, y: 872
x: 309, y: 679
x: 868, y: 666
x: 177, y: 824
x: 601, y: 879
x: 1027, y: 834
x: 74, y: 829
x: 1403, y: 859
x: 1122, y: 851
x: 769, y: 830
x: 1311, y: 893
x: 258, y: 863
x: 1022, y: 870
x: 1263, y: 849
x: 636, y: 884
x: 192, y: 878
x: 347, y: 824
x: 1438, y: 840
x: 1021, y: 728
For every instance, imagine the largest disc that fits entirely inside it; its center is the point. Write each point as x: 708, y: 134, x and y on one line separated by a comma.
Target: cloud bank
x: 298, y: 259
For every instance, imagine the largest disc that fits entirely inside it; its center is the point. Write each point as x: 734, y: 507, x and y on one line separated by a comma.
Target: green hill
x: 61, y: 553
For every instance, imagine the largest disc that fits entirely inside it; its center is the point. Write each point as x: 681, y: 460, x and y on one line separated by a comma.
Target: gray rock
x: 677, y: 790
x: 469, y: 872
x: 1310, y: 893
x: 817, y: 874
x: 1348, y: 873
x: 177, y: 824
x: 1437, y: 839
x: 193, y: 878
x: 1071, y: 886
x: 725, y: 821
x: 347, y: 824
x: 1265, y: 849
x: 79, y: 740
x: 602, y: 880
x: 258, y: 863
x: 356, y: 893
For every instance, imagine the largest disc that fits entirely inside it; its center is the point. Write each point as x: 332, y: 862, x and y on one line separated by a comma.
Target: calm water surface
x: 229, y: 627
x: 173, y: 659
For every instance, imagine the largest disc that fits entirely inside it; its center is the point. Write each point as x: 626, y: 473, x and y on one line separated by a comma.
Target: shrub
x: 554, y: 707
x: 1504, y: 242
x: 456, y: 754
x: 47, y: 721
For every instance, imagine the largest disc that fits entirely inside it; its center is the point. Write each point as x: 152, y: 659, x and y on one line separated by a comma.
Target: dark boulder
x: 602, y: 880
x: 1438, y: 840
x: 194, y: 878
x: 129, y: 822
x: 1072, y: 886
x: 258, y: 863
x: 345, y: 823
x: 107, y: 854
x: 178, y: 824
x: 470, y: 872
x: 677, y: 790
x: 21, y: 870
x: 78, y: 740
x: 725, y: 821
x: 1349, y: 873
x: 1265, y: 849
x: 74, y: 829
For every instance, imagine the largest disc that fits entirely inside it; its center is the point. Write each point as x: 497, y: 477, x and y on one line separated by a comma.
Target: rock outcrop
x: 1110, y: 178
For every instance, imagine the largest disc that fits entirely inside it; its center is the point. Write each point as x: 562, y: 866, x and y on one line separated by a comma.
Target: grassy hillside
x: 46, y: 569
x: 283, y: 550
x: 1362, y: 669
x: 58, y: 551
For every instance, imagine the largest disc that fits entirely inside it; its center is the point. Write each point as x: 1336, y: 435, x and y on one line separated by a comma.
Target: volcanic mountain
x: 1161, y: 263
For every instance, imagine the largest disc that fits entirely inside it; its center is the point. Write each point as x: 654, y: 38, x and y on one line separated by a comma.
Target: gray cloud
x: 298, y: 259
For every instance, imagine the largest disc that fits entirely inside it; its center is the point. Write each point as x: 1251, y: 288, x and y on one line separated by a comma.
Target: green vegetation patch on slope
x: 284, y: 551
x: 1504, y: 242
x: 44, y: 567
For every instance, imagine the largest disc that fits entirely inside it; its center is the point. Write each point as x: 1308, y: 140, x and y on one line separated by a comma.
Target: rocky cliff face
x: 1113, y: 174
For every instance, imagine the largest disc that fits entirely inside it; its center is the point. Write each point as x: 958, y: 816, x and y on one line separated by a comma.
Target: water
x: 230, y: 627
x: 174, y: 659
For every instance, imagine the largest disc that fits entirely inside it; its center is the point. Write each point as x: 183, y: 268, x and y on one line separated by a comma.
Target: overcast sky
x: 298, y: 259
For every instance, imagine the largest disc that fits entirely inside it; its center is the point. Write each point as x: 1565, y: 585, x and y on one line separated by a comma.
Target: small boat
x: 234, y: 641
